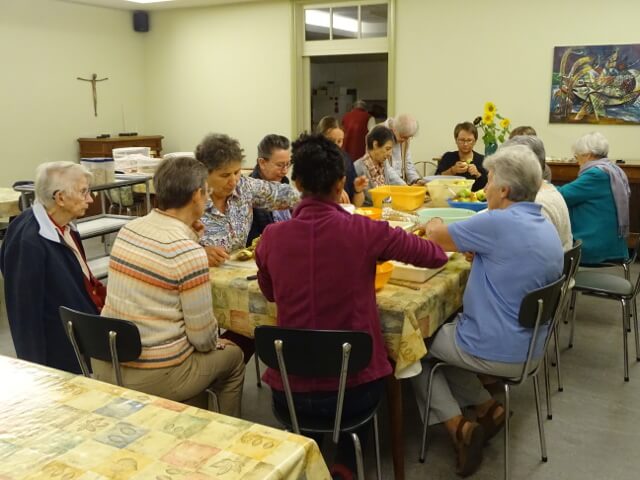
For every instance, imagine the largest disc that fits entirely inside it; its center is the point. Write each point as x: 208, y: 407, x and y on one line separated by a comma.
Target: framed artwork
x: 596, y: 84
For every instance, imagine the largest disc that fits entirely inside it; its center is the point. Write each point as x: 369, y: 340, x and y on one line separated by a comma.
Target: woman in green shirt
x: 598, y: 202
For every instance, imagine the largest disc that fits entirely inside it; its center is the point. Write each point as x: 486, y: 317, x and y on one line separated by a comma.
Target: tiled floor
x: 594, y: 434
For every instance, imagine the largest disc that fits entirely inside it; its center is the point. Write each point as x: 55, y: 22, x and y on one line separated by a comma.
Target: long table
x: 58, y: 425
x: 407, y: 317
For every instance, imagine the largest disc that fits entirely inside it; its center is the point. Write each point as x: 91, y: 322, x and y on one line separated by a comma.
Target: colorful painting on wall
x: 596, y: 84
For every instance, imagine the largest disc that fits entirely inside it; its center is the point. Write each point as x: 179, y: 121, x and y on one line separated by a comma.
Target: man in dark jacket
x: 44, y: 267
x: 274, y: 160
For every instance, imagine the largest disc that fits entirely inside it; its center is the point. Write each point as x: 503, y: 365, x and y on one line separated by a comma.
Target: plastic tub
x: 403, y: 197
x: 102, y: 168
x: 475, y: 206
x: 441, y: 190
x: 431, y: 178
x: 383, y: 274
x: 372, y: 213
x: 448, y: 215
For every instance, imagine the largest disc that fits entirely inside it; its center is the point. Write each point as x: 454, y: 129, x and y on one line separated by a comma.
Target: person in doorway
x: 357, y: 123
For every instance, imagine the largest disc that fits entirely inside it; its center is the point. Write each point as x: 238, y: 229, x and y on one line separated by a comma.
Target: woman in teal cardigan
x: 598, y: 202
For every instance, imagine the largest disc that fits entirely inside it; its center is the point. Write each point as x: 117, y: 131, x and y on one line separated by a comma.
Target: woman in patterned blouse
x: 228, y: 216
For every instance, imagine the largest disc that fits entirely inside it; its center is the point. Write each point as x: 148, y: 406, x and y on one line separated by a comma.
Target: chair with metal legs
x: 538, y: 309
x: 320, y: 354
x: 633, y: 242
x: 612, y: 287
x: 107, y: 339
x: 571, y: 264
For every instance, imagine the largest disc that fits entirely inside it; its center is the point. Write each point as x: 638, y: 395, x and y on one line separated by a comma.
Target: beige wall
x: 453, y: 55
x: 229, y: 69
x: 223, y: 69
x: 44, y: 46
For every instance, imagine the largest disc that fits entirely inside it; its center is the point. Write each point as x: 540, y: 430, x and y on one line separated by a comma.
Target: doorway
x: 337, y: 81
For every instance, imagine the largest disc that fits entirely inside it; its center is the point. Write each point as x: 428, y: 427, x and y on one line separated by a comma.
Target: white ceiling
x: 125, y: 5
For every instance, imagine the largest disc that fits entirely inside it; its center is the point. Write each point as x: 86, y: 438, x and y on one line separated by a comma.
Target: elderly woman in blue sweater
x: 598, y: 202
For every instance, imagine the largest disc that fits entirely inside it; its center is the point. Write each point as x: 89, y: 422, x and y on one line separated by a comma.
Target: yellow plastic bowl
x: 383, y: 274
x: 372, y: 213
x: 403, y: 197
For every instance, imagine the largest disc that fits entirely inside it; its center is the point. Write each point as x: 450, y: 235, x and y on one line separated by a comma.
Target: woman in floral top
x: 228, y: 216
x: 375, y: 164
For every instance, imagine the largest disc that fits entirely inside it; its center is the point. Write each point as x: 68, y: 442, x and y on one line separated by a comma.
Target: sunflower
x: 487, y: 118
x: 504, y: 123
x: 490, y: 107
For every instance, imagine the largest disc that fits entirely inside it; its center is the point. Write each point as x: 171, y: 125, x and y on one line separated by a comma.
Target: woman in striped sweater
x: 159, y: 279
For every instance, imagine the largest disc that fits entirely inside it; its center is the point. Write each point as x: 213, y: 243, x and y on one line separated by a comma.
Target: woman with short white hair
x: 45, y: 267
x: 598, y: 202
x: 404, y: 128
x: 516, y: 250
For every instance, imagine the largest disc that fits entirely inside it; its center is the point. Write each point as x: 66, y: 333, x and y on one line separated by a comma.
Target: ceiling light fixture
x: 148, y: 1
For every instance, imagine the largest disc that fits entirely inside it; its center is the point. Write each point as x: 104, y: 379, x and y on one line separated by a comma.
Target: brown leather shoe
x: 490, y: 424
x: 469, y: 449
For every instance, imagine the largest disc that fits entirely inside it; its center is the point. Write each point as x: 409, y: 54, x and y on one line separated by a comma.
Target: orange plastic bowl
x: 371, y: 212
x: 383, y: 274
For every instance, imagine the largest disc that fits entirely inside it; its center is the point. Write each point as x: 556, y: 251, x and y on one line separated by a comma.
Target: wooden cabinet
x: 563, y: 172
x: 102, y: 147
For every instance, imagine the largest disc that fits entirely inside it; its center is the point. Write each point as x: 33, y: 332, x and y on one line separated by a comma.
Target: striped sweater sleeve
x: 201, y: 326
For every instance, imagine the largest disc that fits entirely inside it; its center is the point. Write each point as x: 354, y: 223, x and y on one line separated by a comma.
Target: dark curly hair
x: 217, y: 150
x: 317, y: 164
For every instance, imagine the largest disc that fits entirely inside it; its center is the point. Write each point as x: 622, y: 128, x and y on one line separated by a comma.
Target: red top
x: 355, y: 128
x: 94, y: 287
x: 319, y: 268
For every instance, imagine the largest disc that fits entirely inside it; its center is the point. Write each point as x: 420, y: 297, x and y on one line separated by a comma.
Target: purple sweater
x: 319, y: 268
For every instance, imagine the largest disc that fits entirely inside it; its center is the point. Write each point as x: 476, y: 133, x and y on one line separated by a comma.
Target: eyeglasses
x: 282, y: 166
x: 83, y: 192
x: 465, y: 140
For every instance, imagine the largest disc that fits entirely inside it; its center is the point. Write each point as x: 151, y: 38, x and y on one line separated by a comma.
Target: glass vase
x: 490, y: 148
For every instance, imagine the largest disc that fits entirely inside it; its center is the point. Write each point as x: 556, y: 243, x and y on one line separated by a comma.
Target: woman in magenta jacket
x: 319, y: 269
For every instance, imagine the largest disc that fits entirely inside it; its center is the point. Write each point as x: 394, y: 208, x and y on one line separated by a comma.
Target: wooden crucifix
x: 94, y: 79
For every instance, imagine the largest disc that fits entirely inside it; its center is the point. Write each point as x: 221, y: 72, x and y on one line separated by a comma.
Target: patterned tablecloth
x: 55, y: 425
x: 407, y: 316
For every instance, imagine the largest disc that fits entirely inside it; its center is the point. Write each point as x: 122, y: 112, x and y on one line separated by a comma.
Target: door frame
x: 302, y: 52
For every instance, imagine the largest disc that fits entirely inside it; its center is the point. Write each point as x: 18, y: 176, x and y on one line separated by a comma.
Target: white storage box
x: 409, y: 273
x: 126, y: 151
x: 102, y: 168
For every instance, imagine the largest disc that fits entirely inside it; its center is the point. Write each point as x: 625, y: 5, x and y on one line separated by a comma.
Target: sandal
x: 469, y: 450
x: 490, y: 424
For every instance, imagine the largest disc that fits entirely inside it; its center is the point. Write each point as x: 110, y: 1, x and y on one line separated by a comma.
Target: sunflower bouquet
x: 492, y: 133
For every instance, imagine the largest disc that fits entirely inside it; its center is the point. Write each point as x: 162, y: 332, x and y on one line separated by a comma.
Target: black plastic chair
x: 538, y: 308
x: 612, y: 287
x: 319, y: 354
x: 107, y: 339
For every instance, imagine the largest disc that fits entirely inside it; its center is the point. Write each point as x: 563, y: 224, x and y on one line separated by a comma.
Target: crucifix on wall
x: 94, y: 79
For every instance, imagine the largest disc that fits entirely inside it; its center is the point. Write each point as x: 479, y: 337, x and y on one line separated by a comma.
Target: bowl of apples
x: 465, y: 198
